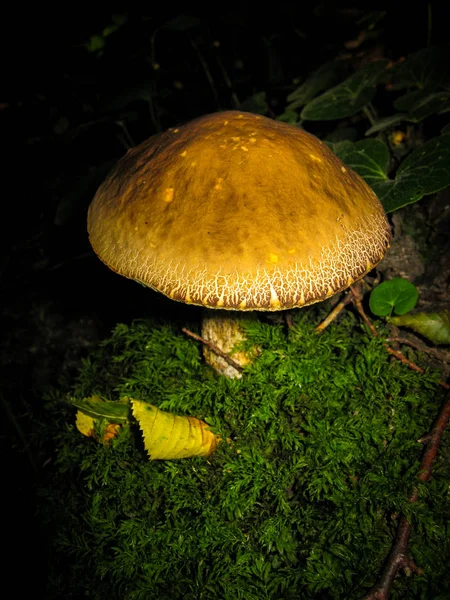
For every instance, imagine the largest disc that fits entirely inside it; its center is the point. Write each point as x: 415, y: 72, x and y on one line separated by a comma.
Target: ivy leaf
x: 341, y: 134
x: 349, y: 97
x: 425, y: 171
x: 434, y: 326
x: 323, y: 78
x: 436, y: 103
x: 420, y: 104
x: 256, y: 104
x: 387, y: 122
x: 369, y: 158
x: 424, y: 69
x: 398, y: 295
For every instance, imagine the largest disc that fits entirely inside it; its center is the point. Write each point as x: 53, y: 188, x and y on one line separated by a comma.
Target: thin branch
x: 334, y: 313
x: 214, y: 349
x: 356, y: 291
x: 206, y: 71
x: 441, y: 355
x: 398, y: 558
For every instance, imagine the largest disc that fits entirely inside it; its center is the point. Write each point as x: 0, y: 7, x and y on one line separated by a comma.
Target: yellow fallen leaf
x: 84, y: 424
x: 168, y: 436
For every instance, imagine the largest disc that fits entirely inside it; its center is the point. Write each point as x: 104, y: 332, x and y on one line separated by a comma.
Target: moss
x: 302, y: 501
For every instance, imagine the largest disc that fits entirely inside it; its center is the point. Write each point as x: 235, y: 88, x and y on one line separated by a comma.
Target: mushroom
x: 239, y: 212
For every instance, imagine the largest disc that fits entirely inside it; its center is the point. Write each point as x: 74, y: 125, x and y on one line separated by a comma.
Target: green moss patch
x: 302, y: 498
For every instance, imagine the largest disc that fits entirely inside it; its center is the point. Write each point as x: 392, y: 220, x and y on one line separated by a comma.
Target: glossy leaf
x: 323, y: 78
x: 425, y: 171
x: 423, y: 103
x: 426, y: 68
x: 387, y: 122
x: 434, y: 326
x: 349, y: 97
x: 256, y: 104
x: 396, y: 295
x: 369, y: 158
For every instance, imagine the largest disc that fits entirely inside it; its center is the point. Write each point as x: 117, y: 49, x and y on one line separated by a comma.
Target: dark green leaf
x: 341, y: 134
x: 398, y: 295
x: 349, y: 97
x: 430, y: 104
x: 95, y: 43
x: 387, y: 122
x: 407, y: 101
x: 434, y: 326
x: 289, y: 116
x: 420, y: 104
x: 181, y: 23
x: 322, y: 79
x: 256, y: 104
x: 425, y: 171
x: 369, y: 158
x: 424, y: 69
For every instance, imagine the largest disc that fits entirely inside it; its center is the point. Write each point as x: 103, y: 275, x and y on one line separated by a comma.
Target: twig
x: 398, y: 558
x: 334, y: 313
x: 206, y: 71
x: 357, y: 299
x: 356, y: 291
x: 214, y: 349
x: 439, y: 354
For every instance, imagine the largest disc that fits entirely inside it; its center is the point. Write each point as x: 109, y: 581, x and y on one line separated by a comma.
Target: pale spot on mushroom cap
x: 273, y: 258
x: 316, y: 158
x: 244, y: 148
x: 343, y: 169
x: 183, y: 154
x: 168, y: 194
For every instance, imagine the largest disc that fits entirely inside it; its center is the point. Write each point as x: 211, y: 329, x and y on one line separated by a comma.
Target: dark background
x: 67, y: 114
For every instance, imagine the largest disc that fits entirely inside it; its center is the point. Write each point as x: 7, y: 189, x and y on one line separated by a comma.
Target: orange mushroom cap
x: 237, y: 211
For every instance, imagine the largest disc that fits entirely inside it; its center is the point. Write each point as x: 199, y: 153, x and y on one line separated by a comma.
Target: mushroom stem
x: 225, y: 331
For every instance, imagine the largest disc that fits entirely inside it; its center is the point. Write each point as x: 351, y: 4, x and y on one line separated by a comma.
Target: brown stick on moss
x: 398, y: 558
x: 214, y: 349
